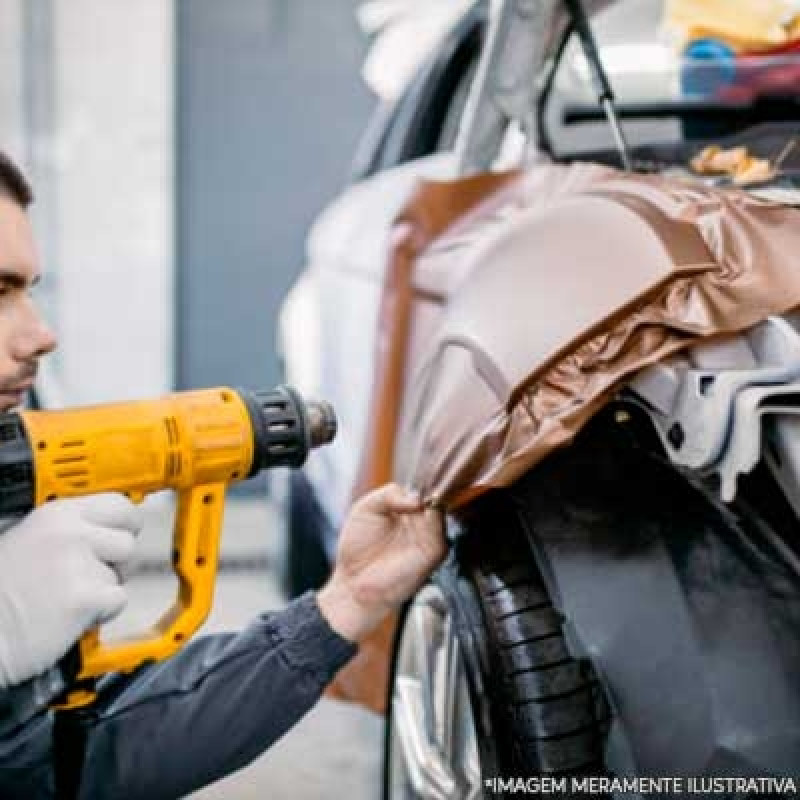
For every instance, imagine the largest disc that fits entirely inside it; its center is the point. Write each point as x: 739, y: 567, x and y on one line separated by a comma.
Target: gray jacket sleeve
x: 174, y: 727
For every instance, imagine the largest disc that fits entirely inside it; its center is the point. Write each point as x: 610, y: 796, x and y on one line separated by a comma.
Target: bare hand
x: 389, y: 545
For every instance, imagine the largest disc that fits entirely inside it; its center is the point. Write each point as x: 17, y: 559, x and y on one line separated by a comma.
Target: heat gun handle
x: 195, y: 556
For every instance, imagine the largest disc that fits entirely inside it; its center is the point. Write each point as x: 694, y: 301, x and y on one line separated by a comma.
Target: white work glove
x: 58, y: 579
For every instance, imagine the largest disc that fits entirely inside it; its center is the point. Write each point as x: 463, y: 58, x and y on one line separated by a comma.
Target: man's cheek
x: 8, y: 328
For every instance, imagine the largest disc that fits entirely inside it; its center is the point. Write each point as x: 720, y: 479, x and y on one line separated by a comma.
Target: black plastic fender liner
x: 550, y: 715
x: 688, y: 612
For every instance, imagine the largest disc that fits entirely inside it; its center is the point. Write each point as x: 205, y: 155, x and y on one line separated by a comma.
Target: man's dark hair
x: 14, y: 183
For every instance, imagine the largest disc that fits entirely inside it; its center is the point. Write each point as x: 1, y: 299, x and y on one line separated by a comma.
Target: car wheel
x: 432, y: 747
x: 483, y: 683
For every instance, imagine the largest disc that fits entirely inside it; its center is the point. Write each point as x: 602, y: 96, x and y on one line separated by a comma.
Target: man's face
x: 24, y: 337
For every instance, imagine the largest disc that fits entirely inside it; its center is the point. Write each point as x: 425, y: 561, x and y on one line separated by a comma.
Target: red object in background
x: 775, y: 71
x: 774, y: 80
x: 789, y: 47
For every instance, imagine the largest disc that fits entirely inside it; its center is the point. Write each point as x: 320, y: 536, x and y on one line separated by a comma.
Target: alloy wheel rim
x: 433, y: 746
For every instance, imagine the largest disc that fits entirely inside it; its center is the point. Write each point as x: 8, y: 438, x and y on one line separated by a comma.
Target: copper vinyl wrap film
x: 428, y: 213
x: 591, y: 277
x: 571, y: 279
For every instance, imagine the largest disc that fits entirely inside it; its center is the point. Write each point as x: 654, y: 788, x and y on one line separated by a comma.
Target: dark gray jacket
x: 174, y: 727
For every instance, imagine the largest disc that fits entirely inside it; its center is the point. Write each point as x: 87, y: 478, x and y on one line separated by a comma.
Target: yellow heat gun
x: 194, y: 442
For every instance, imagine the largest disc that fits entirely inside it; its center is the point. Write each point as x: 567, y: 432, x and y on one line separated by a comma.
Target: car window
x: 424, y: 119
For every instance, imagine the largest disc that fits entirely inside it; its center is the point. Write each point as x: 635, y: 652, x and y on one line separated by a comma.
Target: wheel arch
x: 536, y: 291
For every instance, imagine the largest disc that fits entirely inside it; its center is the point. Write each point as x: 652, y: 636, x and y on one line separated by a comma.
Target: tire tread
x: 555, y: 709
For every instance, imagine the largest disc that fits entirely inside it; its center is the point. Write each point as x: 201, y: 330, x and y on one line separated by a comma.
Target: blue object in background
x: 709, y: 65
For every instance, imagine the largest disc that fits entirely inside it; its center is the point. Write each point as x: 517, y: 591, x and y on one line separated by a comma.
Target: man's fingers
x: 110, y: 545
x: 434, y: 520
x: 105, y: 597
x: 111, y: 510
x: 428, y: 532
x: 111, y: 601
x: 392, y: 499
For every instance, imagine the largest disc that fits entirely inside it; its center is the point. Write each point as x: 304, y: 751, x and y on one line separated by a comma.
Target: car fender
x: 547, y: 292
x: 328, y: 327
x: 569, y: 297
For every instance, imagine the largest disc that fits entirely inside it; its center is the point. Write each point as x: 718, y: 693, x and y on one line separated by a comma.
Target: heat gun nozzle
x: 286, y: 427
x: 322, y: 422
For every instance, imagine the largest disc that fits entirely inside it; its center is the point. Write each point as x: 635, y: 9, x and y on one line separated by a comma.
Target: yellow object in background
x: 794, y: 28
x: 745, y: 25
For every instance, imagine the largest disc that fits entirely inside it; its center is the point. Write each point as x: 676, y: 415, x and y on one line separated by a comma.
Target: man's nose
x: 33, y: 337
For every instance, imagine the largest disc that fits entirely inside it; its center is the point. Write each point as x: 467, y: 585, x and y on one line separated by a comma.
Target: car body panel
x: 557, y: 314
x: 412, y: 303
x: 537, y: 325
x: 336, y: 303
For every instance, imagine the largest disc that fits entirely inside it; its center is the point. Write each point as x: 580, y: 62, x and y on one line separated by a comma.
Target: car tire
x: 534, y: 709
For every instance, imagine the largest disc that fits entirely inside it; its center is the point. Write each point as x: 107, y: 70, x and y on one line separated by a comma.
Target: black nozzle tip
x: 321, y: 422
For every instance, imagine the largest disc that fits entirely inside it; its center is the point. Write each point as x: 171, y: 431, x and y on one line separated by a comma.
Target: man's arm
x: 213, y: 708
x: 225, y: 699
x: 174, y: 727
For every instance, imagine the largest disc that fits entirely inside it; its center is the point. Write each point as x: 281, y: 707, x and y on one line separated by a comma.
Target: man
x: 170, y: 728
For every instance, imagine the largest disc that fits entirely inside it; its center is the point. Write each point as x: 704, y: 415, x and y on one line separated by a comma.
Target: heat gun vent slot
x: 72, y: 443
x: 70, y: 467
x: 174, y: 465
x: 282, y: 425
x: 76, y: 477
x: 9, y: 431
x: 15, y: 475
x: 282, y: 449
x: 62, y: 460
x: 171, y: 424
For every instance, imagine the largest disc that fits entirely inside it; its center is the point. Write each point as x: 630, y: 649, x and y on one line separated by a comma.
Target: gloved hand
x: 389, y: 545
x: 58, y: 579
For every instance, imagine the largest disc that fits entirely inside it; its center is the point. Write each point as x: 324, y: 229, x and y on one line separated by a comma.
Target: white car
x: 627, y: 603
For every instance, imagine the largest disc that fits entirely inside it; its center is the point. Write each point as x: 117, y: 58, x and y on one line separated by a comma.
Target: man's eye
x: 5, y: 289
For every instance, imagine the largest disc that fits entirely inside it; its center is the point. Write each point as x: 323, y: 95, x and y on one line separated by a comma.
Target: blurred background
x: 166, y: 142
